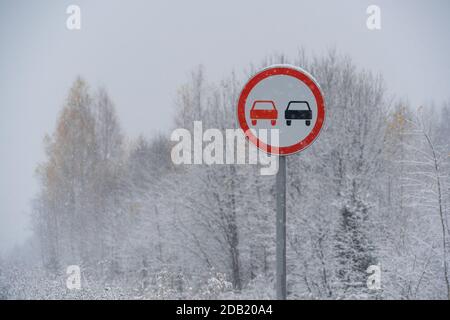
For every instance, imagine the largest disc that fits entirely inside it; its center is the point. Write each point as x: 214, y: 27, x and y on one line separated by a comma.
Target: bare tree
x: 425, y: 178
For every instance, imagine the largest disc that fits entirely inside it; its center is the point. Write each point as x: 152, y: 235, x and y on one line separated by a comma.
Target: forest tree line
x: 373, y: 190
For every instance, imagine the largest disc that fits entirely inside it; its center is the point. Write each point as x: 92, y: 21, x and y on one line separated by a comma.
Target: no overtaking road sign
x: 286, y: 98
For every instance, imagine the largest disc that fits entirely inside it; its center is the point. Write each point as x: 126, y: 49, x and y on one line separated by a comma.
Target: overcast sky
x: 141, y: 51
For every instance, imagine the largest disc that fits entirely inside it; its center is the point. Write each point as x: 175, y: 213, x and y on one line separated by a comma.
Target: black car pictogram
x: 294, y: 113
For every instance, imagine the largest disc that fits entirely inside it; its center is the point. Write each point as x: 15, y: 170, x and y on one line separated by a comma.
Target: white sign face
x: 285, y: 98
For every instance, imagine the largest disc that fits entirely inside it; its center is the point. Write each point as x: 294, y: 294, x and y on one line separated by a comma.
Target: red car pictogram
x: 263, y: 110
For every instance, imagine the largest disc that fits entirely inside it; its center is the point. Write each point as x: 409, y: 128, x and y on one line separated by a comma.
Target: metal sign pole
x: 281, y: 229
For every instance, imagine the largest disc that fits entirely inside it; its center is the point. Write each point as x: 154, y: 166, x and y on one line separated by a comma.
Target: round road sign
x: 286, y: 98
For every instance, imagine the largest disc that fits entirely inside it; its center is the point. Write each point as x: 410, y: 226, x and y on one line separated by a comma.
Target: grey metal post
x: 281, y: 229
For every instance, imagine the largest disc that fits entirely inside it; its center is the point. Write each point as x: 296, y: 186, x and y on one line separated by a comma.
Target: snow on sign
x: 286, y: 98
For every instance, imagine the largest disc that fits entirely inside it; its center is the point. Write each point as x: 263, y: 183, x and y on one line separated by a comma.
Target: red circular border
x: 307, y: 80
